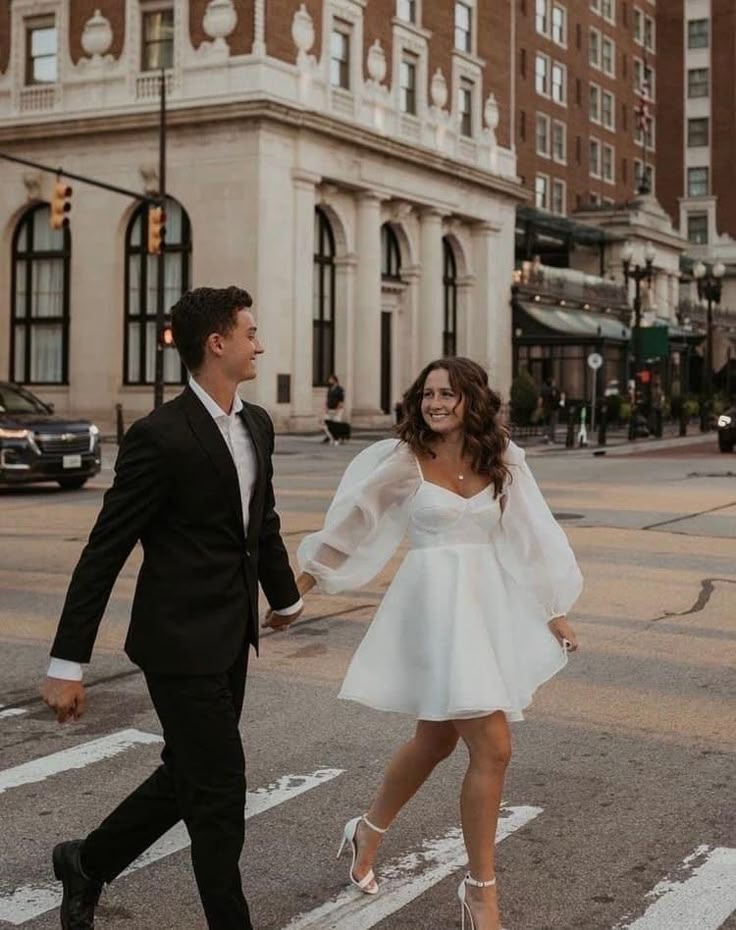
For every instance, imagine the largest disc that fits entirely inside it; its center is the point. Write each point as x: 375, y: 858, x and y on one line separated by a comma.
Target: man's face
x: 240, y: 348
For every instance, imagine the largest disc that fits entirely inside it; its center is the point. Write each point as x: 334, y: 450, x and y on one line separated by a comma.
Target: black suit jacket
x: 176, y: 490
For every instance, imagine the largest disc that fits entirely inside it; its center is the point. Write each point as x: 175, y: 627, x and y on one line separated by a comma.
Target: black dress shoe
x: 81, y: 893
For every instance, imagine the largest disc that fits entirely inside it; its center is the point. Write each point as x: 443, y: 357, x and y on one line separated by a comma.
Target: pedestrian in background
x: 193, y: 484
x: 551, y: 398
x: 474, y: 619
x: 334, y: 407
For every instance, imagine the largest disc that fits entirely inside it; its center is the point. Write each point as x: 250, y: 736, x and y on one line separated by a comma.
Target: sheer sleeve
x: 533, y: 547
x: 366, y: 520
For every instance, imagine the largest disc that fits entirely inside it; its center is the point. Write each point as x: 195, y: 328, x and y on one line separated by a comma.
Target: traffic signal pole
x: 158, y: 390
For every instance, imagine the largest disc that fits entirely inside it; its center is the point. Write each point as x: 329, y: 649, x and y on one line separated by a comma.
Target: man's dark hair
x: 201, y: 312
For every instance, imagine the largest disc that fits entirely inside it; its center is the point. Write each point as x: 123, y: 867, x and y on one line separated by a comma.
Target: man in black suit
x: 193, y: 484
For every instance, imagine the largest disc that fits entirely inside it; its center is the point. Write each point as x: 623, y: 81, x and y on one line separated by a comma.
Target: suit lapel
x: 213, y: 442
x: 260, y: 457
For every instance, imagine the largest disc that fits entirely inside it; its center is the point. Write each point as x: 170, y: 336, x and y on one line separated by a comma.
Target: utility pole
x: 158, y: 391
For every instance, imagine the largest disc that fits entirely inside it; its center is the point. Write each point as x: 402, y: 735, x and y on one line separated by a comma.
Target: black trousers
x: 201, y: 781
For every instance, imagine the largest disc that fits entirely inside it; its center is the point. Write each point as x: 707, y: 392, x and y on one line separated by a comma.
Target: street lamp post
x: 709, y: 284
x: 637, y: 273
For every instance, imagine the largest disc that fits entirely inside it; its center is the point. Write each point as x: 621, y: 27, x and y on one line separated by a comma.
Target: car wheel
x: 72, y: 484
x: 724, y: 445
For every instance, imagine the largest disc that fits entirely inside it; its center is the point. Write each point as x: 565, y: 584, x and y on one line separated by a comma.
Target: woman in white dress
x: 474, y: 619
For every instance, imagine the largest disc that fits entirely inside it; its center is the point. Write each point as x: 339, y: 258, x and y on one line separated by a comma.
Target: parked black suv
x: 727, y: 430
x: 35, y: 445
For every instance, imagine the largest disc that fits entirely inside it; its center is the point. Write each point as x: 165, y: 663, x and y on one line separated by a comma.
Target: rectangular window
x: 406, y: 10
x: 541, y: 191
x: 643, y: 79
x: 697, y: 182
x: 594, y: 105
x: 608, y: 109
x: 608, y: 10
x: 594, y: 157
x: 698, y: 132
x: 541, y: 75
x: 648, y: 172
x: 541, y: 16
x: 595, y: 6
x: 698, y: 33
x: 340, y: 55
x: 649, y: 33
x: 608, y: 161
x: 41, y: 51
x: 638, y: 26
x: 559, y: 83
x: 157, y: 42
x: 559, y: 25
x: 608, y: 56
x: 594, y: 48
x: 463, y: 27
x: 465, y: 107
x: 698, y: 82
x: 559, y: 142
x: 697, y: 228
x: 559, y: 198
x: 543, y: 135
x: 408, y: 84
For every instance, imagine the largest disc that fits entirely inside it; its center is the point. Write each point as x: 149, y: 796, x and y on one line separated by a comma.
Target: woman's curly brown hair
x: 485, y: 438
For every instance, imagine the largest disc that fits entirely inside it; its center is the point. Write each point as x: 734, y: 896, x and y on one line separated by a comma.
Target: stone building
x: 350, y: 162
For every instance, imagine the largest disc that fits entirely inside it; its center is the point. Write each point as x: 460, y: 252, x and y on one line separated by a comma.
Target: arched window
x: 390, y: 254
x: 39, y: 335
x: 141, y: 283
x: 323, y: 315
x: 449, y: 285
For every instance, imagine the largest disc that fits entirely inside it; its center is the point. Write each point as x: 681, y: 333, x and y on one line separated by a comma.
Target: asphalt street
x: 620, y: 801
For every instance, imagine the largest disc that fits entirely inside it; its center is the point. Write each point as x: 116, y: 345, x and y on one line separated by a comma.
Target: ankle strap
x: 469, y: 880
x: 372, y: 825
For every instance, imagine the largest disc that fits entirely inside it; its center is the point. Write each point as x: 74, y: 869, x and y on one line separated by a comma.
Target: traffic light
x: 60, y: 205
x: 166, y: 336
x: 156, y: 230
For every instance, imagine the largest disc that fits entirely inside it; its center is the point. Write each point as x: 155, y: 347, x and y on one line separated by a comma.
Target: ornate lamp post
x: 637, y: 273
x: 709, y: 284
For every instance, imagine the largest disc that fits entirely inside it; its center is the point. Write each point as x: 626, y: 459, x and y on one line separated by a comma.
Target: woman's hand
x: 564, y: 632
x: 304, y: 583
x: 271, y: 621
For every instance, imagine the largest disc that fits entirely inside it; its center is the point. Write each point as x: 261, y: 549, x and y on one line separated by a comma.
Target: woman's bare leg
x: 489, y: 746
x: 408, y: 770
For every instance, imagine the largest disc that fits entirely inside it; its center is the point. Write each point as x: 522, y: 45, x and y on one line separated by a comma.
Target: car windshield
x: 15, y: 400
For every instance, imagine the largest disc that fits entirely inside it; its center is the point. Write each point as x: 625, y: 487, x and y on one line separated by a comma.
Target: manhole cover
x: 568, y: 516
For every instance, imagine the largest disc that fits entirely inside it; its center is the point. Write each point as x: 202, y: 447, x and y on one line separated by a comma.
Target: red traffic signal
x: 60, y: 205
x: 166, y: 336
x: 156, y: 230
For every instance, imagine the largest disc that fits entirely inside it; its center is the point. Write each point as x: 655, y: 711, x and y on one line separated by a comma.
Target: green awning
x: 580, y: 324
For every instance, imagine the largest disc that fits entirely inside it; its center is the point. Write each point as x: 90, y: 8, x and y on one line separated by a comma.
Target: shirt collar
x: 210, y: 405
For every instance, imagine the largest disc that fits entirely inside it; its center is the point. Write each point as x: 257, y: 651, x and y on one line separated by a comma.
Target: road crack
x: 707, y: 587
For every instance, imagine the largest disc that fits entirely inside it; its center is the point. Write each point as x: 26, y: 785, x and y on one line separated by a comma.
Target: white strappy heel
x: 469, y: 880
x: 367, y: 884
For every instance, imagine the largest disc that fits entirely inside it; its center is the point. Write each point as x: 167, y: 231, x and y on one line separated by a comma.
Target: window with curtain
x: 449, y: 285
x: 323, y: 301
x: 141, y: 289
x: 39, y: 333
x: 390, y: 254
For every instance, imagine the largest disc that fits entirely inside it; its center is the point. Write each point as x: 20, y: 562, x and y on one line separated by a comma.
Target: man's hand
x: 67, y: 699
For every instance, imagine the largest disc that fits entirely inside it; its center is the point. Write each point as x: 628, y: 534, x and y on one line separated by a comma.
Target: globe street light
x: 637, y: 273
x: 709, y: 284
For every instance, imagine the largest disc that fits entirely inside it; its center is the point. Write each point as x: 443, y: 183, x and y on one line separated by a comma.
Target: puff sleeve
x: 532, y: 546
x: 366, y: 520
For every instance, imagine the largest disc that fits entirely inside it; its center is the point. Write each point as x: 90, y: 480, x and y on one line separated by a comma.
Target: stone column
x: 431, y: 308
x: 493, y: 256
x: 304, y: 184
x: 367, y: 316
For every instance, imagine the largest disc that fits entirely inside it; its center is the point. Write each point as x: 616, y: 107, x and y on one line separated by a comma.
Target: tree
x: 524, y: 398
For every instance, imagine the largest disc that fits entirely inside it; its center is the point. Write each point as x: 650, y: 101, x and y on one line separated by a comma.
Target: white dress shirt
x: 237, y: 438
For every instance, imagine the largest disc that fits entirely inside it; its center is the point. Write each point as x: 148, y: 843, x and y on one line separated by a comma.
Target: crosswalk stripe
x: 404, y: 879
x: 77, y: 757
x: 31, y: 901
x: 13, y: 712
x: 703, y: 900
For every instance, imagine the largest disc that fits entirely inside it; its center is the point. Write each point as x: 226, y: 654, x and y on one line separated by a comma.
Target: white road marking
x: 77, y: 757
x: 404, y: 879
x: 30, y: 901
x: 701, y: 897
x: 13, y: 712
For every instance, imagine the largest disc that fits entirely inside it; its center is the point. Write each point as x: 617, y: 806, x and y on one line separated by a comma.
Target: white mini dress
x: 462, y: 629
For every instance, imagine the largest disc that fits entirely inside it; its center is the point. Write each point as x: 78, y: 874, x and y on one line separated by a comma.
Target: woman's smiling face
x: 443, y: 409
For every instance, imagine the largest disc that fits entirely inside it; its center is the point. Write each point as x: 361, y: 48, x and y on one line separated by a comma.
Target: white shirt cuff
x: 288, y: 611
x: 64, y: 669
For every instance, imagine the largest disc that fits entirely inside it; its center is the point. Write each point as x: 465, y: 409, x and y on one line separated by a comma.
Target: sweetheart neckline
x: 454, y: 493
